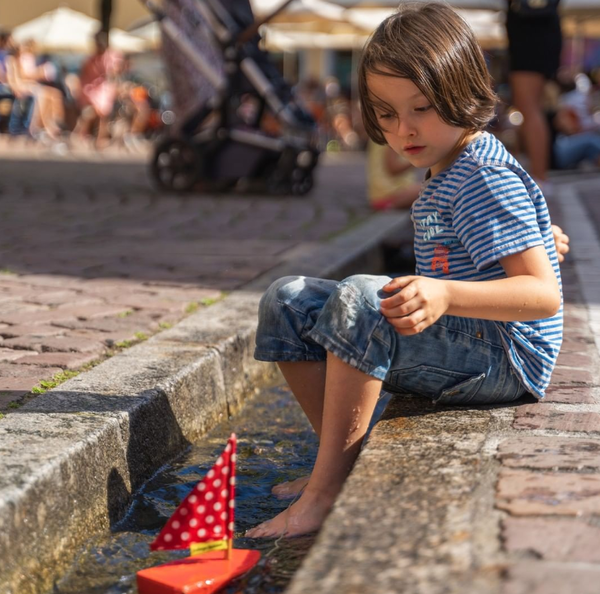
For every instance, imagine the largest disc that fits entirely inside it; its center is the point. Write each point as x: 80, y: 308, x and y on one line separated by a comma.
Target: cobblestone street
x: 92, y: 256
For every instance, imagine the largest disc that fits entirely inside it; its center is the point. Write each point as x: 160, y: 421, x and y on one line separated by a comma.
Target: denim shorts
x: 456, y: 361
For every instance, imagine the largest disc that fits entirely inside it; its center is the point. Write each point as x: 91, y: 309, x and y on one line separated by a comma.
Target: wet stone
x: 543, y: 416
x: 550, y: 453
x: 553, y: 539
x: 523, y: 493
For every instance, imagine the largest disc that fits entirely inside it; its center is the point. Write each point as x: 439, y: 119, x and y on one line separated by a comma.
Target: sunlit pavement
x: 93, y: 256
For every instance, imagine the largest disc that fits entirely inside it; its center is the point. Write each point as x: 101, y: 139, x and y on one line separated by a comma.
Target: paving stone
x: 30, y: 330
x: 10, y: 354
x: 55, y: 343
x: 576, y: 360
x: 523, y: 493
x: 39, y: 317
x: 568, y: 394
x: 553, y: 539
x: 545, y: 416
x: 59, y: 298
x: 550, y: 453
x: 9, y: 370
x: 136, y: 321
x: 548, y: 578
x: 64, y: 360
x: 137, y: 302
x: 565, y: 376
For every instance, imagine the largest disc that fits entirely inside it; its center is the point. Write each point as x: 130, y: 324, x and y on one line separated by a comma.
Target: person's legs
x: 527, y: 90
x: 349, y: 402
x: 21, y: 115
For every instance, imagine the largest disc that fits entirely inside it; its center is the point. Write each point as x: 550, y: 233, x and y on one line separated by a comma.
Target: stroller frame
x: 221, y: 156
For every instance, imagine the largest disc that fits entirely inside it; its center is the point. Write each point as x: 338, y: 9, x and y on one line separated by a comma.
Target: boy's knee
x: 364, y: 288
x: 280, y: 291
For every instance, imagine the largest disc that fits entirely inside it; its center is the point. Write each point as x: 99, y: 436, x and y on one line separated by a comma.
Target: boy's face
x: 410, y: 124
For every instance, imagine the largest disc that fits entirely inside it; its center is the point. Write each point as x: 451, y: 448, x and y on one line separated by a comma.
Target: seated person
x: 571, y: 144
x: 392, y: 181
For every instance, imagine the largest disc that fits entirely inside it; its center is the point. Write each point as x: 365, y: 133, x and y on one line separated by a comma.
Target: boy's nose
x: 405, y: 129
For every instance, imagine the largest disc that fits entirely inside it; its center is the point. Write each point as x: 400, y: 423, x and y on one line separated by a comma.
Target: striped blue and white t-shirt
x: 482, y: 208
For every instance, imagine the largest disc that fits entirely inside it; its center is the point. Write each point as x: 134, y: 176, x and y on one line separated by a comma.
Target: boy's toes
x: 264, y: 530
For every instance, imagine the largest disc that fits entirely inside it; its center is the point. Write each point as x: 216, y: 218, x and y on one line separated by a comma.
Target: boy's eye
x: 423, y: 109
x: 385, y: 116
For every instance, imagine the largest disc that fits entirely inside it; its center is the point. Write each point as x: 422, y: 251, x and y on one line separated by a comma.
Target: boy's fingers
x: 409, y: 324
x: 401, y: 309
x: 398, y: 283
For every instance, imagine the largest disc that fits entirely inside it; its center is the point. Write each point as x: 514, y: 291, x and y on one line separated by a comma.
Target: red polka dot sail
x: 207, y: 513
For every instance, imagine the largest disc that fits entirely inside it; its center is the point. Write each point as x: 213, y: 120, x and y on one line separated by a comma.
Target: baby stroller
x: 237, y: 125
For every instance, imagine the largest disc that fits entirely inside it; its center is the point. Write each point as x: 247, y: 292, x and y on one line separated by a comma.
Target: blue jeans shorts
x: 456, y: 361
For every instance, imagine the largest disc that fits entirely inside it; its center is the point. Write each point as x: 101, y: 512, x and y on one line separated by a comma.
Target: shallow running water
x: 275, y: 443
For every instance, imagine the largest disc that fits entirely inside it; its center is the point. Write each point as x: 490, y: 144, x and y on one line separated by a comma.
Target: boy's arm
x: 529, y: 292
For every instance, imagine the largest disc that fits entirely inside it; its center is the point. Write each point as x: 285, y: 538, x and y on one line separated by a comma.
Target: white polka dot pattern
x: 199, y: 517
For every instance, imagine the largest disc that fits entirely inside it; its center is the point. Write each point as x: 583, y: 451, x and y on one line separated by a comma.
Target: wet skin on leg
x: 349, y: 402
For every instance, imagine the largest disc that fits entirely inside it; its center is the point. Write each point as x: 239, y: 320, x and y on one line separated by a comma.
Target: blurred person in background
x: 573, y: 145
x: 4, y: 50
x: 23, y: 90
x: 534, y: 48
x: 49, y: 111
x: 6, y: 95
x: 98, y: 80
x: 392, y: 182
x: 577, y: 97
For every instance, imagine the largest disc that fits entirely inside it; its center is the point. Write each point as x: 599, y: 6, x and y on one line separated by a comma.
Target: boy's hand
x: 420, y: 303
x: 561, y: 241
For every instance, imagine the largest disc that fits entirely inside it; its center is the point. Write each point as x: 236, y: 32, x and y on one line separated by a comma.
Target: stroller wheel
x: 176, y: 165
x: 302, y: 182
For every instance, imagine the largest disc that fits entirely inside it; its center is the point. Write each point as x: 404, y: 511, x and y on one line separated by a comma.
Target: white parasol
x: 66, y: 30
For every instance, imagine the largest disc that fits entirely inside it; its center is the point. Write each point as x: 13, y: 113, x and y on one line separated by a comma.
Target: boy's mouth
x: 413, y: 149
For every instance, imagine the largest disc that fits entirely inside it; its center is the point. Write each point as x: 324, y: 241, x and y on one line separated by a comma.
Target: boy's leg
x: 287, y: 313
x: 350, y: 399
x: 306, y: 379
x: 307, y: 382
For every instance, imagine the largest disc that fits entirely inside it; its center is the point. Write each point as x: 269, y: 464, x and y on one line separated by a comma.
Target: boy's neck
x: 465, y: 140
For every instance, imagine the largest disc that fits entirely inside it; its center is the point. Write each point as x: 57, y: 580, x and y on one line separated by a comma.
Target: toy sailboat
x: 203, y: 523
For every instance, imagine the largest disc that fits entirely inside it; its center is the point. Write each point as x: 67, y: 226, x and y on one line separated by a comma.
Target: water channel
x: 275, y: 443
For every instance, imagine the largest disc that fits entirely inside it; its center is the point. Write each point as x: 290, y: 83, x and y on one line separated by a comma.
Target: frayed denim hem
x: 278, y: 357
x: 346, y: 356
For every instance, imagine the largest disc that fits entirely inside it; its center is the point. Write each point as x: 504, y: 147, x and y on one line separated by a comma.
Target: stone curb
x: 423, y: 511
x: 70, y: 459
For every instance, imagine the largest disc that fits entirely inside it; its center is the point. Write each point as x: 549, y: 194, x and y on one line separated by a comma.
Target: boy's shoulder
x: 485, y: 159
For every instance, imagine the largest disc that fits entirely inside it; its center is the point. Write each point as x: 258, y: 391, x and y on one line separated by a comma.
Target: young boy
x: 480, y: 322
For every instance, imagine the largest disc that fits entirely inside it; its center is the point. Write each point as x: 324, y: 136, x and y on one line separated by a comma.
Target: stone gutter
x: 71, y: 458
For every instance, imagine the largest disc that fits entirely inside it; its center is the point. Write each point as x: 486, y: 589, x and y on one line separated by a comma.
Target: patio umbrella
x: 66, y: 30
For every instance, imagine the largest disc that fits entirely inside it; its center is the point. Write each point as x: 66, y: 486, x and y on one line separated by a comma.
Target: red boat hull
x: 201, y: 574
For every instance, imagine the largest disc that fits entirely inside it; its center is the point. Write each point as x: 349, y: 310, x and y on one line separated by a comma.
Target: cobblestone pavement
x: 549, y: 479
x: 92, y: 257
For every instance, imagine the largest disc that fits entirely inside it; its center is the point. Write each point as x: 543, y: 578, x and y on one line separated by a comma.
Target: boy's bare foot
x: 303, y: 517
x: 290, y: 489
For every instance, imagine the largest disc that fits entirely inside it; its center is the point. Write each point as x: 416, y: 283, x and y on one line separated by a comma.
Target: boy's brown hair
x: 432, y: 46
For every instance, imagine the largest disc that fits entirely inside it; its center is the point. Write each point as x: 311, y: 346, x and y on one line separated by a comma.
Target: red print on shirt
x: 440, y: 259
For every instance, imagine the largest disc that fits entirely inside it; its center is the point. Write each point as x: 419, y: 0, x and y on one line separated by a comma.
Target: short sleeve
x: 494, y: 216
